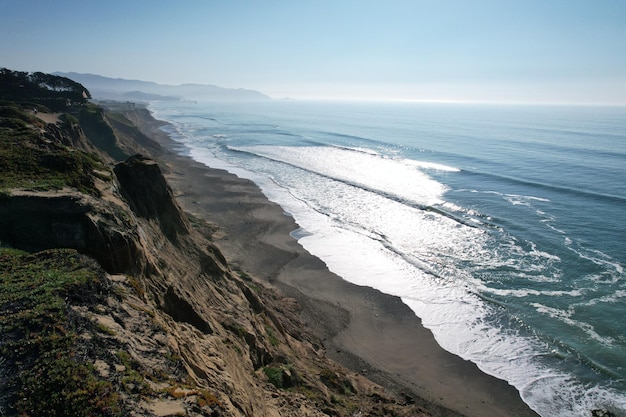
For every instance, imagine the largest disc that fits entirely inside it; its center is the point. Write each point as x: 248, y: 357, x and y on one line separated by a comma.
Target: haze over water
x: 501, y: 227
x: 532, y: 51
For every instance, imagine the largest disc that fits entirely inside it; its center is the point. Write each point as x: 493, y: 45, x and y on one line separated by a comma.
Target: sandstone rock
x: 144, y: 187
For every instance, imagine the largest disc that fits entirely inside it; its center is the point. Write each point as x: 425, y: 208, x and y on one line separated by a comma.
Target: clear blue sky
x: 465, y: 50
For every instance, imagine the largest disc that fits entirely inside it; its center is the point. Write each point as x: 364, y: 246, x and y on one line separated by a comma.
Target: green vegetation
x: 135, y: 284
x: 274, y: 376
x: 36, y: 156
x: 30, y: 161
x: 56, y: 357
x: 53, y: 91
x: 337, y: 382
x: 68, y: 119
x: 49, y: 343
x: 59, y: 386
x: 205, y: 398
x: 283, y: 377
x: 133, y: 380
x: 271, y: 335
x: 38, y: 330
x: 105, y: 329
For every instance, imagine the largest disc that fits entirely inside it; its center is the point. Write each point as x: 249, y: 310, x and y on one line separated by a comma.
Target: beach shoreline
x: 363, y: 329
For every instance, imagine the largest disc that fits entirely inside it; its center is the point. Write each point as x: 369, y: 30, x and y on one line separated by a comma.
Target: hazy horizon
x: 557, y: 52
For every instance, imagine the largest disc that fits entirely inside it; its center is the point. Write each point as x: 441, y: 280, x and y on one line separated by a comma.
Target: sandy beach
x: 363, y: 329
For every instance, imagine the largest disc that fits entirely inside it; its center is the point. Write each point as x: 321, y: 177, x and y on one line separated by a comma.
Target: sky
x: 526, y: 51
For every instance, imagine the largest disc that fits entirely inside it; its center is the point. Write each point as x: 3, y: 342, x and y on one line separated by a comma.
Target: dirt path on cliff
x: 48, y: 117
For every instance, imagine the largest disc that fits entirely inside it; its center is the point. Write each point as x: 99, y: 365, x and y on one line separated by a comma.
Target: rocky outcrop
x: 143, y: 186
x: 177, y: 307
x: 128, y: 136
x: 99, y: 223
x: 35, y: 221
x: 67, y: 133
x: 100, y: 133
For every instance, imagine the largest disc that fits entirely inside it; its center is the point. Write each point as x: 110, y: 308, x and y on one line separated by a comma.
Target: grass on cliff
x: 30, y: 161
x: 44, y: 374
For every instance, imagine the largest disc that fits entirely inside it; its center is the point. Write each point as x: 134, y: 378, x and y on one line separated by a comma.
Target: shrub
x: 336, y: 382
x: 46, y: 376
x: 274, y: 376
x: 28, y: 161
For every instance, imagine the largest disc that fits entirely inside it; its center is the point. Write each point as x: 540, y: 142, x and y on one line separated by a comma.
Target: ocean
x: 502, y: 227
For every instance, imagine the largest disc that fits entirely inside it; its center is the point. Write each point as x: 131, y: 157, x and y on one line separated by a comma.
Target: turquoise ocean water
x: 502, y: 227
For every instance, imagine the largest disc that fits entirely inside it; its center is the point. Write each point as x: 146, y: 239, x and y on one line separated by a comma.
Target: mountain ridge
x: 103, y: 87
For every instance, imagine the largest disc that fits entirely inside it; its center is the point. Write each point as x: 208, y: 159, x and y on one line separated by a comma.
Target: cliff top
x: 114, y: 302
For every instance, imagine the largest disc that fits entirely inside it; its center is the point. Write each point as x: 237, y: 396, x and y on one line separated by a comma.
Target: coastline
x: 363, y: 329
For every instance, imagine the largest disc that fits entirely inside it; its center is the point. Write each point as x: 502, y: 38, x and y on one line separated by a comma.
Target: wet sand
x: 363, y: 329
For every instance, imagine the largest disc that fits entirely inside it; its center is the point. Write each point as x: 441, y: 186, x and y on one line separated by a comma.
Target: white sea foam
x: 566, y: 317
x: 458, y: 318
x: 616, y: 297
x: 361, y: 169
x: 357, y: 149
x: 430, y: 165
x: 613, y: 271
x: 351, y: 205
x: 534, y: 252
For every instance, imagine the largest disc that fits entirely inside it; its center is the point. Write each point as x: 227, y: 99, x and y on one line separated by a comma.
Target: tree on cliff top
x: 50, y: 90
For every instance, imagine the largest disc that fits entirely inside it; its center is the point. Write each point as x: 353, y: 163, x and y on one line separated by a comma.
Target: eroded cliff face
x: 173, y: 330
x: 144, y: 188
x: 35, y: 221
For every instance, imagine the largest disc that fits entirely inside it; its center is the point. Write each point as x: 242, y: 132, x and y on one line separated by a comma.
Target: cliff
x: 114, y: 302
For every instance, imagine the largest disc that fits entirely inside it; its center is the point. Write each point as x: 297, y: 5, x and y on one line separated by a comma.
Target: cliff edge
x: 115, y: 302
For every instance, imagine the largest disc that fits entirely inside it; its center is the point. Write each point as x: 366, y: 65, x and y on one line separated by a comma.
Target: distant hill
x: 122, y: 89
